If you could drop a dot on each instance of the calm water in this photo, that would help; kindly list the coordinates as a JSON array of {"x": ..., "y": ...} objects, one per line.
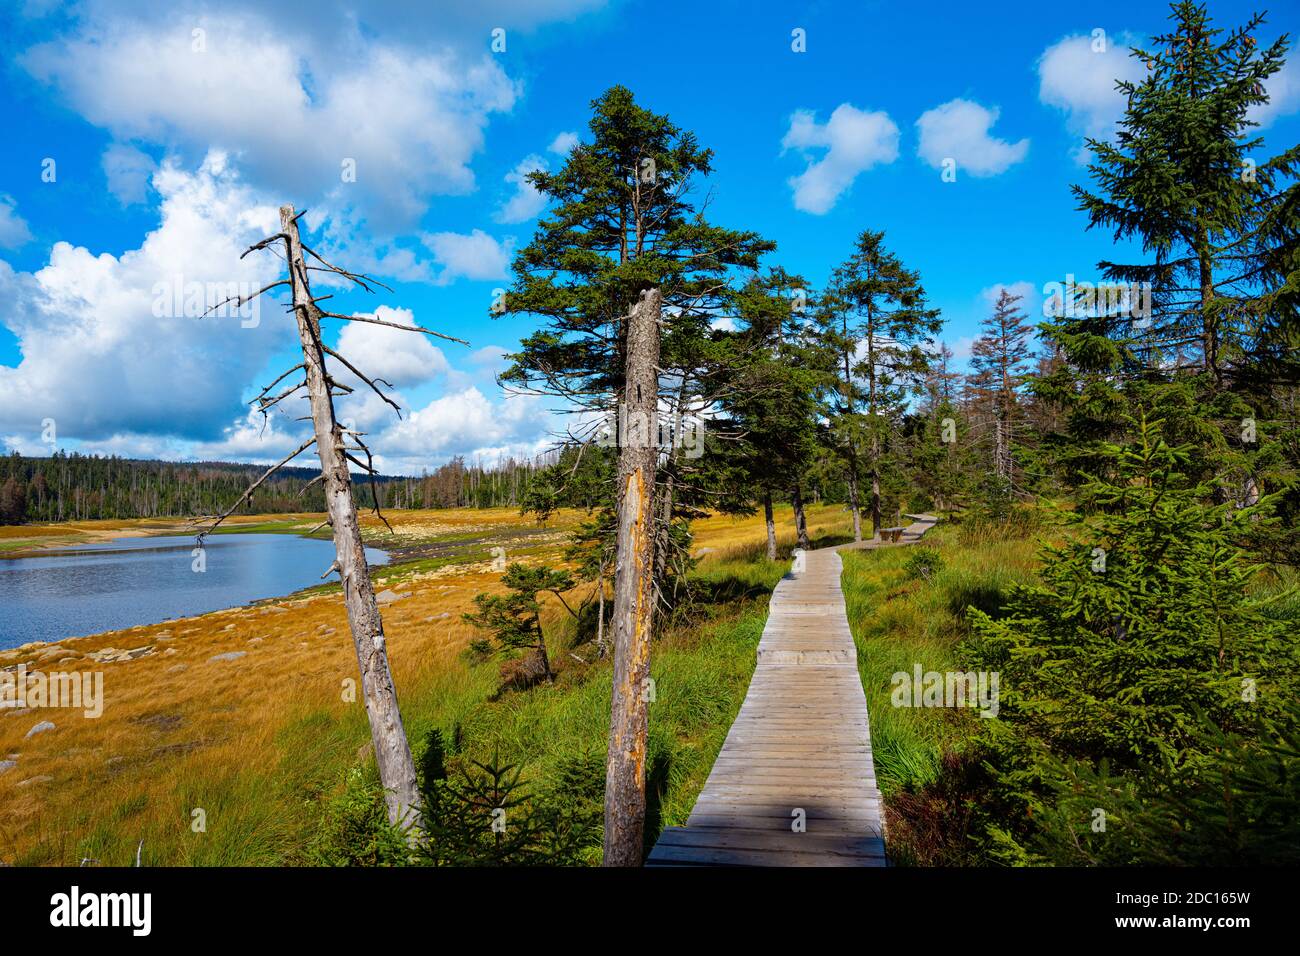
[{"x": 103, "y": 587}]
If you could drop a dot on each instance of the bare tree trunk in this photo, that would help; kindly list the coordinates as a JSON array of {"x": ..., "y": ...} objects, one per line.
[
  {"x": 1209, "y": 325},
  {"x": 771, "y": 524},
  {"x": 601, "y": 648},
  {"x": 800, "y": 524},
  {"x": 392, "y": 753},
  {"x": 875, "y": 489},
  {"x": 853, "y": 496},
  {"x": 625, "y": 777},
  {"x": 853, "y": 452}
]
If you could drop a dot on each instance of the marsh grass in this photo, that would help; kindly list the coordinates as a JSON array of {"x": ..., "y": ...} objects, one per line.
[
  {"x": 899, "y": 621},
  {"x": 264, "y": 744}
]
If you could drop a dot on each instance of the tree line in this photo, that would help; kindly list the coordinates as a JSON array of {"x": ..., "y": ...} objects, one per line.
[{"x": 69, "y": 486}]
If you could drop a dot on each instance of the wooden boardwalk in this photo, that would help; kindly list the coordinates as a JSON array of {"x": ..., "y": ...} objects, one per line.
[{"x": 794, "y": 784}]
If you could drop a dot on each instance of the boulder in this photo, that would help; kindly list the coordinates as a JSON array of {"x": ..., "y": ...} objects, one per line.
[{"x": 40, "y": 728}]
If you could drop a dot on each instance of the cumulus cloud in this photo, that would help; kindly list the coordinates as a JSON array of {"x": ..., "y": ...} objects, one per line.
[
  {"x": 959, "y": 130},
  {"x": 853, "y": 140},
  {"x": 465, "y": 423},
  {"x": 128, "y": 171},
  {"x": 474, "y": 256},
  {"x": 112, "y": 345},
  {"x": 1028, "y": 292},
  {"x": 400, "y": 358},
  {"x": 1283, "y": 89},
  {"x": 1080, "y": 80},
  {"x": 527, "y": 201},
  {"x": 14, "y": 231},
  {"x": 301, "y": 118},
  {"x": 563, "y": 143}
]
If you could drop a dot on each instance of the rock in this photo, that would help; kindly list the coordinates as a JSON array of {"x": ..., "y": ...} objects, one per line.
[
  {"x": 256, "y": 640},
  {"x": 43, "y": 778},
  {"x": 40, "y": 728},
  {"x": 7, "y": 765},
  {"x": 170, "y": 650},
  {"x": 139, "y": 652},
  {"x": 389, "y": 596},
  {"x": 51, "y": 651},
  {"x": 65, "y": 660},
  {"x": 229, "y": 627},
  {"x": 19, "y": 712},
  {"x": 228, "y": 656},
  {"x": 177, "y": 668},
  {"x": 445, "y": 614}
]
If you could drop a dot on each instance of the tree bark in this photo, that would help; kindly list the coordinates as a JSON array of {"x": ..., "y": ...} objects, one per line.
[
  {"x": 392, "y": 752},
  {"x": 1210, "y": 332},
  {"x": 771, "y": 524},
  {"x": 800, "y": 523},
  {"x": 625, "y": 768},
  {"x": 853, "y": 452}
]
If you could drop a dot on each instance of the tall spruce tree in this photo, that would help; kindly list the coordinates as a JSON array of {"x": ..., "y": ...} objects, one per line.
[
  {"x": 1183, "y": 178},
  {"x": 875, "y": 317},
  {"x": 1000, "y": 359},
  {"x": 625, "y": 273}
]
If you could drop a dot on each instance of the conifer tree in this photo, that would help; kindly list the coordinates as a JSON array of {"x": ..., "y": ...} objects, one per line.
[
  {"x": 1183, "y": 179},
  {"x": 625, "y": 275},
  {"x": 999, "y": 357},
  {"x": 875, "y": 318}
]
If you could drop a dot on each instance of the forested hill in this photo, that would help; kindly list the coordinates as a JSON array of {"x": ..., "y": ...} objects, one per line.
[{"x": 69, "y": 487}]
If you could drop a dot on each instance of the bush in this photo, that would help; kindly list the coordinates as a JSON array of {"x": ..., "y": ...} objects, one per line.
[
  {"x": 1135, "y": 675},
  {"x": 354, "y": 829},
  {"x": 923, "y": 563}
]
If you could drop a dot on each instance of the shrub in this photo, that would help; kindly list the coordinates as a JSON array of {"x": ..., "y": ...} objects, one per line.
[
  {"x": 923, "y": 563},
  {"x": 1123, "y": 673}
]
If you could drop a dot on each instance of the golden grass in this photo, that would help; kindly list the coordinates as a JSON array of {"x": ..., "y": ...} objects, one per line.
[{"x": 181, "y": 731}]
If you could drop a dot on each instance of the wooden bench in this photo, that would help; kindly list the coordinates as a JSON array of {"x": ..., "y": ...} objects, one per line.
[{"x": 891, "y": 534}]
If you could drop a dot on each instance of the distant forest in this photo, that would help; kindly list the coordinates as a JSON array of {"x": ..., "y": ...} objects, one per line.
[{"x": 69, "y": 486}]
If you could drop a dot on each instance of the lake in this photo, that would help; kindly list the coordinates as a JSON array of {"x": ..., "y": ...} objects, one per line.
[{"x": 104, "y": 587}]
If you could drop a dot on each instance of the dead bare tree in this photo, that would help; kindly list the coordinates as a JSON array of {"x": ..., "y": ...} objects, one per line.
[
  {"x": 634, "y": 583},
  {"x": 336, "y": 446}
]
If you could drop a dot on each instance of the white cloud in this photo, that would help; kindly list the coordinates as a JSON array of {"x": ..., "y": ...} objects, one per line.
[
  {"x": 527, "y": 200},
  {"x": 959, "y": 130},
  {"x": 475, "y": 256},
  {"x": 1027, "y": 291},
  {"x": 854, "y": 141},
  {"x": 563, "y": 143},
  {"x": 1079, "y": 80},
  {"x": 14, "y": 231},
  {"x": 103, "y": 350},
  {"x": 128, "y": 171},
  {"x": 465, "y": 423},
  {"x": 1283, "y": 89},
  {"x": 400, "y": 358},
  {"x": 293, "y": 109}
]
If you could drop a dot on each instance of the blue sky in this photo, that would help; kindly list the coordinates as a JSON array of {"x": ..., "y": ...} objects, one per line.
[{"x": 175, "y": 129}]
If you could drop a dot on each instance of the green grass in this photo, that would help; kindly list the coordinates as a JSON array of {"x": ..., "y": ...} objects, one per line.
[
  {"x": 700, "y": 664},
  {"x": 899, "y": 622}
]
